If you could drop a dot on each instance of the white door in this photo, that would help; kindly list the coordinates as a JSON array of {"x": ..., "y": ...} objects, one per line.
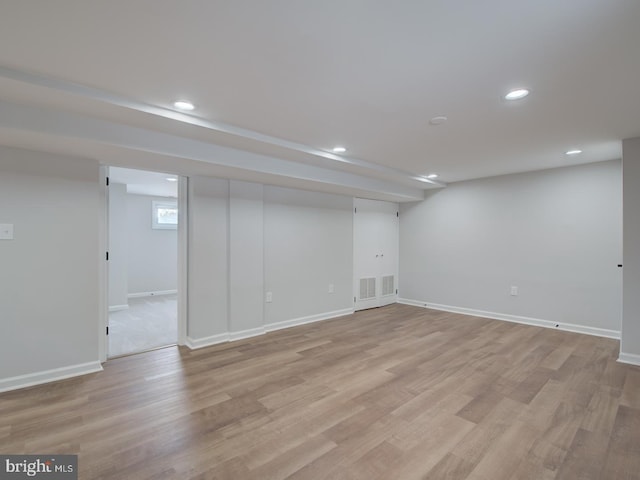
[{"x": 375, "y": 253}]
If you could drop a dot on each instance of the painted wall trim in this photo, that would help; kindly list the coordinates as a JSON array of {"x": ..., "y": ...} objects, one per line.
[
  {"x": 195, "y": 343},
  {"x": 46, "y": 376},
  {"x": 568, "y": 327},
  {"x": 117, "y": 308},
  {"x": 630, "y": 358},
  {"x": 270, "y": 327},
  {"x": 152, "y": 294},
  {"x": 251, "y": 332}
]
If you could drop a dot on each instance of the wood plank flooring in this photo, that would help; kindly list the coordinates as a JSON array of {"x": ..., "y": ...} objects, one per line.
[{"x": 393, "y": 393}]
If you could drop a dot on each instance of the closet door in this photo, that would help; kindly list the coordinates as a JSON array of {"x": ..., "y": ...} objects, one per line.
[{"x": 375, "y": 253}]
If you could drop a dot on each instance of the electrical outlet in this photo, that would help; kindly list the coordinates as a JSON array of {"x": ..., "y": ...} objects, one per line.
[
  {"x": 331, "y": 290},
  {"x": 6, "y": 231},
  {"x": 514, "y": 291},
  {"x": 269, "y": 297}
]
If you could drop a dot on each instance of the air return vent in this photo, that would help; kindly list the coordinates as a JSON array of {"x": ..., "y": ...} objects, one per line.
[
  {"x": 388, "y": 285},
  {"x": 367, "y": 288}
]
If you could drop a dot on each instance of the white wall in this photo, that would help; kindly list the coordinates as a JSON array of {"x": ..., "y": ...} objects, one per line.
[
  {"x": 630, "y": 344},
  {"x": 247, "y": 239},
  {"x": 308, "y": 245},
  {"x": 208, "y": 259},
  {"x": 152, "y": 253},
  {"x": 555, "y": 234},
  {"x": 246, "y": 258},
  {"x": 49, "y": 280},
  {"x": 118, "y": 246}
]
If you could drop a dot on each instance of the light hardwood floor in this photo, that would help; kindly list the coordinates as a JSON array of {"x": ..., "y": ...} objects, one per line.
[{"x": 393, "y": 393}]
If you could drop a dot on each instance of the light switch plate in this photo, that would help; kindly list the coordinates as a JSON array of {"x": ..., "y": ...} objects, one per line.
[{"x": 6, "y": 231}]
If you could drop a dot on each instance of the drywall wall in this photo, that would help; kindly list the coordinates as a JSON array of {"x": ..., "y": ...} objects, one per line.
[
  {"x": 630, "y": 344},
  {"x": 49, "y": 285},
  {"x": 152, "y": 257},
  {"x": 208, "y": 273},
  {"x": 308, "y": 246},
  {"x": 246, "y": 258},
  {"x": 118, "y": 247},
  {"x": 246, "y": 239},
  {"x": 554, "y": 234}
]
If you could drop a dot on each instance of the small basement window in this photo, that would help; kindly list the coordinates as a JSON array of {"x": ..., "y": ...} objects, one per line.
[{"x": 164, "y": 215}]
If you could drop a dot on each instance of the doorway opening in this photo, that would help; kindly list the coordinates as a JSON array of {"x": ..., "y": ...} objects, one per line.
[{"x": 143, "y": 261}]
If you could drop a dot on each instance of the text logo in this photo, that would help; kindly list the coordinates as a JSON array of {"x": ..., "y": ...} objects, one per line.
[{"x": 49, "y": 467}]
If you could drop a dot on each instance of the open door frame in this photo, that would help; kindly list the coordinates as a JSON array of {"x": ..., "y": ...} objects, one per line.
[
  {"x": 183, "y": 257},
  {"x": 103, "y": 266}
]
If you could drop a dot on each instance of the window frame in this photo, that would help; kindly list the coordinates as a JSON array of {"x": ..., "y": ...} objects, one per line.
[{"x": 157, "y": 205}]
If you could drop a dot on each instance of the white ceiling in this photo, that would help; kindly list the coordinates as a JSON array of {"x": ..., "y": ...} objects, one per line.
[
  {"x": 142, "y": 182},
  {"x": 288, "y": 80}
]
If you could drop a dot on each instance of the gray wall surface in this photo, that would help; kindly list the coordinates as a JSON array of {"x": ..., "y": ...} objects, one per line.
[
  {"x": 308, "y": 244},
  {"x": 247, "y": 239},
  {"x": 118, "y": 246},
  {"x": 555, "y": 234},
  {"x": 208, "y": 263},
  {"x": 49, "y": 280},
  {"x": 152, "y": 254},
  {"x": 246, "y": 256}
]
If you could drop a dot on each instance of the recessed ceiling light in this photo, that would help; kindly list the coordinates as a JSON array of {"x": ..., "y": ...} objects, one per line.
[
  {"x": 517, "y": 94},
  {"x": 432, "y": 176},
  {"x": 439, "y": 120},
  {"x": 171, "y": 179},
  {"x": 184, "y": 105},
  {"x": 573, "y": 152},
  {"x": 339, "y": 149}
]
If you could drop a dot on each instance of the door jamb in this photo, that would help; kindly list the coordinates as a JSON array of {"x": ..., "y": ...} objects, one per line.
[
  {"x": 183, "y": 257},
  {"x": 103, "y": 267}
]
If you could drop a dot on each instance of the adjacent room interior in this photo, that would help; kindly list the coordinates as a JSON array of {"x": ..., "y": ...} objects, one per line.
[
  {"x": 313, "y": 240},
  {"x": 143, "y": 261}
]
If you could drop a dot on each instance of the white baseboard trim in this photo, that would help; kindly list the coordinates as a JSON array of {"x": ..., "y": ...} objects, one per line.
[
  {"x": 46, "y": 376},
  {"x": 630, "y": 358},
  {"x": 568, "y": 327},
  {"x": 195, "y": 343},
  {"x": 117, "y": 308},
  {"x": 252, "y": 332},
  {"x": 152, "y": 294},
  {"x": 270, "y": 327}
]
